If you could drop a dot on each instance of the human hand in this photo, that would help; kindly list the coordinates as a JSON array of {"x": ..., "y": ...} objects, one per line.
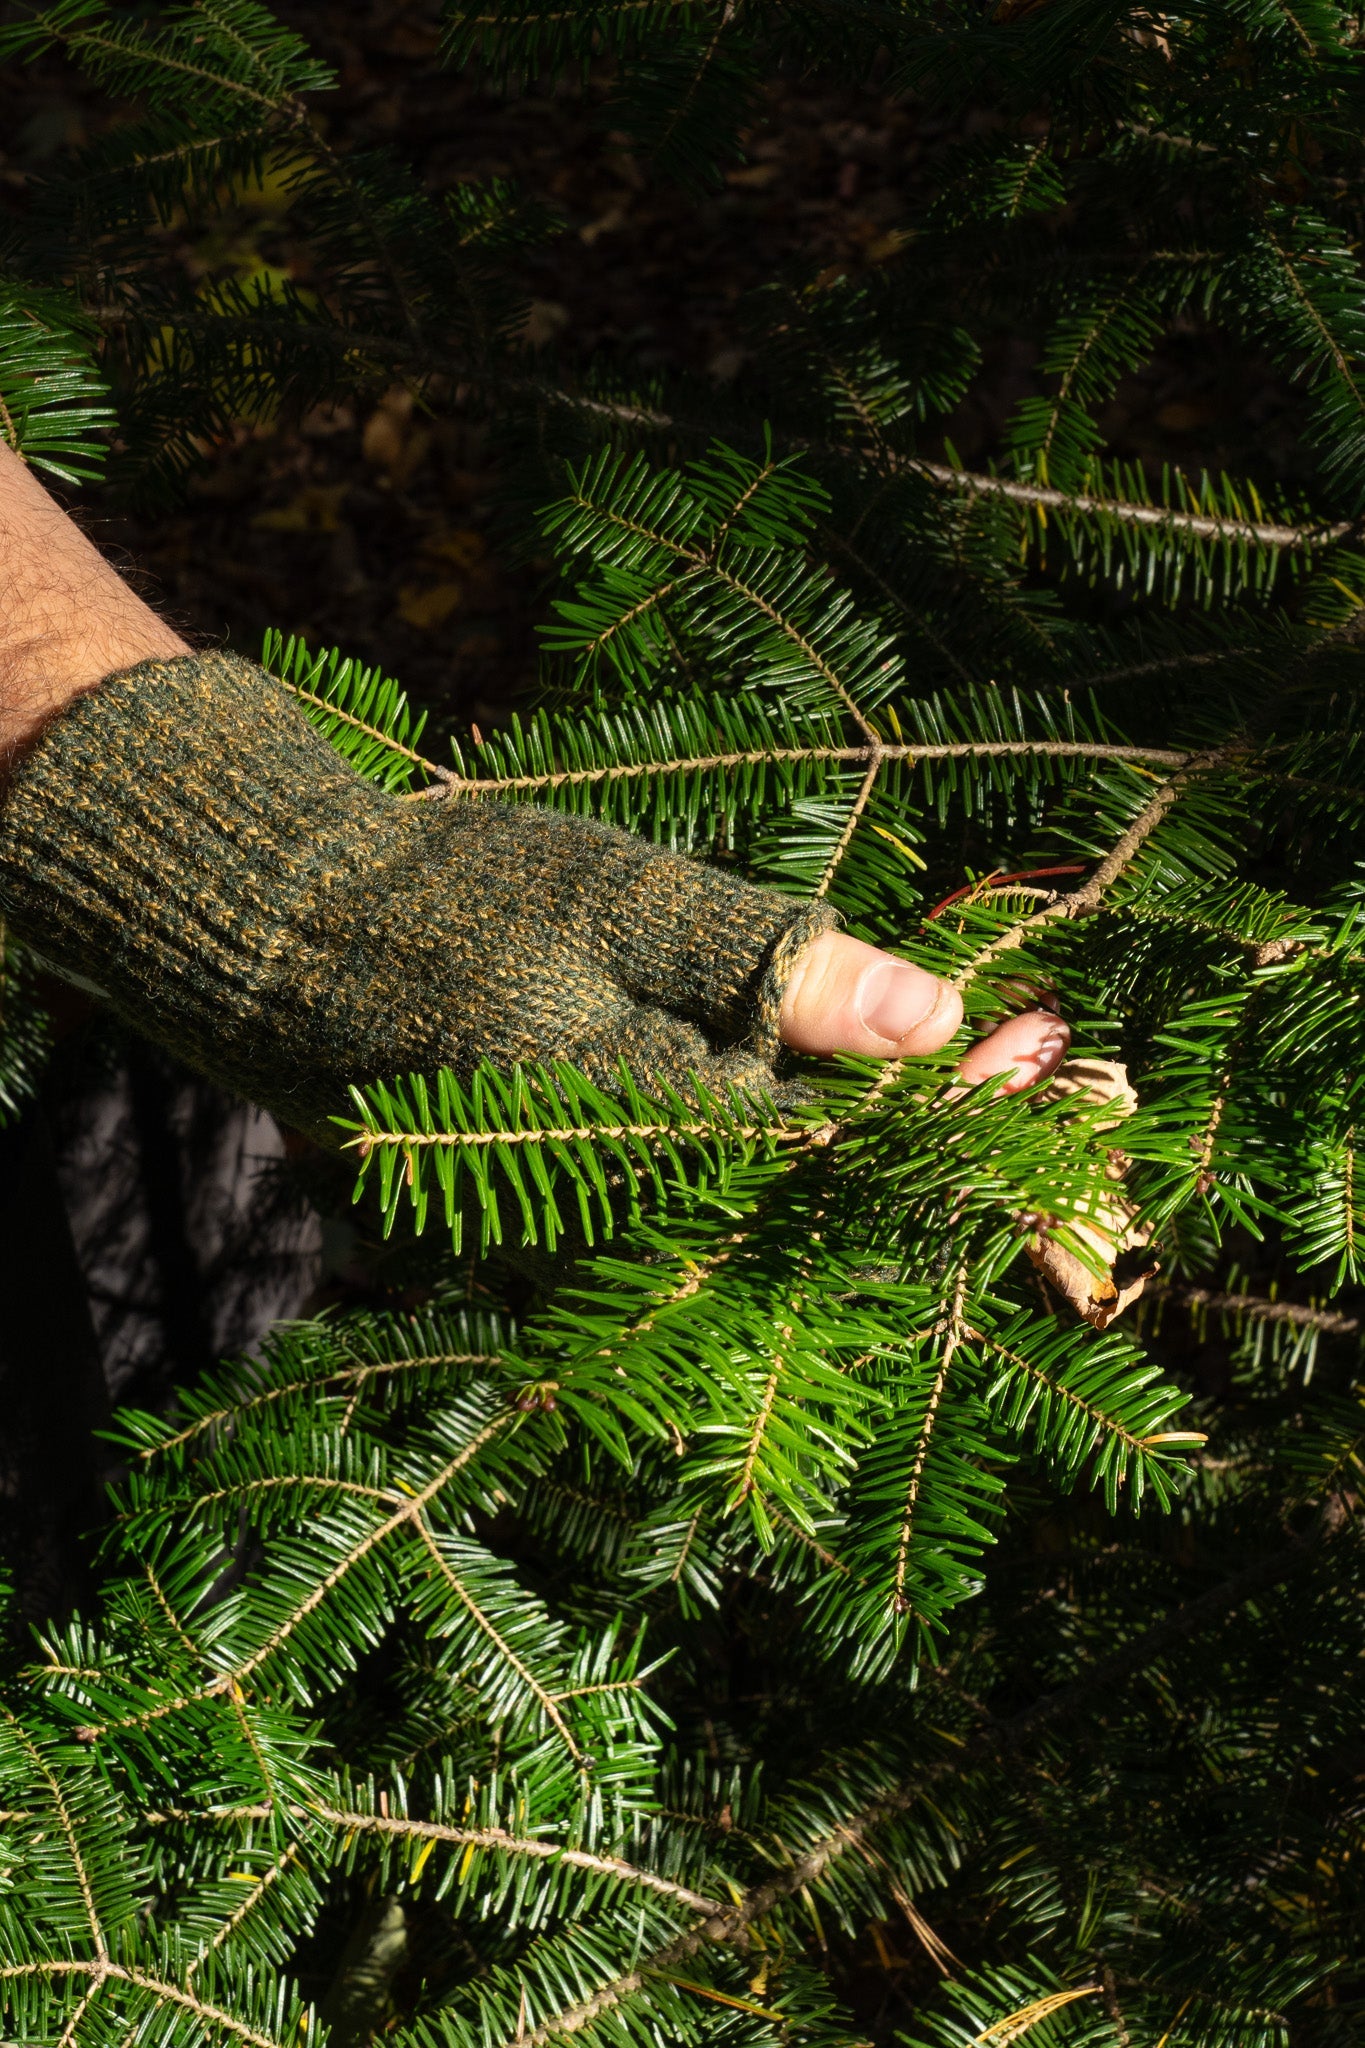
[
  {"x": 844, "y": 996},
  {"x": 70, "y": 620}
]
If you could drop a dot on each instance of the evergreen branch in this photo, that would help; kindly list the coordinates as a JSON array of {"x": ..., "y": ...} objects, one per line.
[
  {"x": 744, "y": 1485},
  {"x": 163, "y": 1601},
  {"x": 1277, "y": 535},
  {"x": 694, "y": 1278},
  {"x": 609, "y": 1996},
  {"x": 69, "y": 1832},
  {"x": 845, "y": 839},
  {"x": 762, "y": 476},
  {"x": 1099, "y": 1418},
  {"x": 647, "y": 604},
  {"x": 497, "y": 1839},
  {"x": 1198, "y": 526},
  {"x": 355, "y": 1376},
  {"x": 1081, "y": 902},
  {"x": 1190, "y": 1619},
  {"x": 833, "y": 1323},
  {"x": 999, "y": 1739},
  {"x": 225, "y": 1815},
  {"x": 873, "y": 754},
  {"x": 1007, "y": 1738},
  {"x": 548, "y": 1704},
  {"x": 801, "y": 642},
  {"x": 321, "y": 1482},
  {"x": 707, "y": 561},
  {"x": 287, "y": 1857},
  {"x": 538, "y": 16},
  {"x": 533, "y": 1131},
  {"x": 409, "y": 1513},
  {"x": 685, "y": 1547},
  {"x": 420, "y": 360},
  {"x": 268, "y": 1776},
  {"x": 372, "y": 732},
  {"x": 103, "y": 1970},
  {"x": 359, "y": 710},
  {"x": 1328, "y": 341},
  {"x": 370, "y": 218},
  {"x": 826, "y": 1557},
  {"x": 116, "y": 48},
  {"x": 952, "y": 1329},
  {"x": 683, "y": 104},
  {"x": 71, "y": 2030},
  {"x": 52, "y": 409},
  {"x": 369, "y": 1141},
  {"x": 588, "y": 1692},
  {"x": 1300, "y": 1316}
]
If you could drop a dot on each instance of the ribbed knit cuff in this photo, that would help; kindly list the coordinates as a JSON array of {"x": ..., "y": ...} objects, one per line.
[{"x": 183, "y": 838}]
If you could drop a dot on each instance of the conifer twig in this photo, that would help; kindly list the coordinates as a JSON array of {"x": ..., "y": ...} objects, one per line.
[
  {"x": 1080, "y": 902},
  {"x": 1198, "y": 525},
  {"x": 1299, "y": 1315},
  {"x": 870, "y": 753}
]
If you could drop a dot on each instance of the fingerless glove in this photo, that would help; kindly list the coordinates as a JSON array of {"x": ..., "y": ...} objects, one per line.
[{"x": 182, "y": 838}]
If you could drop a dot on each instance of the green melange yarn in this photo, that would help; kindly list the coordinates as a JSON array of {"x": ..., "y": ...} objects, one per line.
[{"x": 183, "y": 838}]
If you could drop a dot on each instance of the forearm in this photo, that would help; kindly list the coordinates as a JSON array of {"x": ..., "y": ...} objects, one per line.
[{"x": 67, "y": 619}]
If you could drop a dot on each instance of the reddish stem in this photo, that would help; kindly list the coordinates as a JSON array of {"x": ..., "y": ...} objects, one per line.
[{"x": 993, "y": 879}]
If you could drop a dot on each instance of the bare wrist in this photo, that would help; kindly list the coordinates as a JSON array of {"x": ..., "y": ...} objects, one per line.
[{"x": 67, "y": 619}]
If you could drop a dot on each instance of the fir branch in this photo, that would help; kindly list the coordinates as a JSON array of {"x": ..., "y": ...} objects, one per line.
[
  {"x": 1256, "y": 1308},
  {"x": 279, "y": 1590},
  {"x": 254, "y": 1897},
  {"x": 870, "y": 756},
  {"x": 370, "y": 1141},
  {"x": 546, "y": 1700},
  {"x": 851, "y": 823},
  {"x": 497, "y": 1840},
  {"x": 352, "y": 1378},
  {"x": 1003, "y": 1739},
  {"x": 69, "y": 1832},
  {"x": 103, "y": 1970},
  {"x": 1194, "y": 525},
  {"x": 1081, "y": 902},
  {"x": 998, "y": 1741},
  {"x": 1098, "y": 1419},
  {"x": 371, "y": 732},
  {"x": 1278, "y": 536},
  {"x": 409, "y": 1513}
]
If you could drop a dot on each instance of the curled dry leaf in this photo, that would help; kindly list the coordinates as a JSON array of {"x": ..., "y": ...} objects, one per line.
[
  {"x": 1097, "y": 1082},
  {"x": 1113, "y": 1230}
]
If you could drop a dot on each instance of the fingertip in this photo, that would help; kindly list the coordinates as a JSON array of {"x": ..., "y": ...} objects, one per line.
[{"x": 1026, "y": 1049}]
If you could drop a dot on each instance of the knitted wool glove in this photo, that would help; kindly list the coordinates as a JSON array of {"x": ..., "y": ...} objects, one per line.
[{"x": 184, "y": 839}]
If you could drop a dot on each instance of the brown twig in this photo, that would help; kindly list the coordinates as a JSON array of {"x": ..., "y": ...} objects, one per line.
[{"x": 1299, "y": 1315}]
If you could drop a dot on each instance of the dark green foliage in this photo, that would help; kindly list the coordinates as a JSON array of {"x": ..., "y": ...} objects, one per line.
[
  {"x": 51, "y": 395},
  {"x": 23, "y": 1030},
  {"x": 798, "y": 1586}
]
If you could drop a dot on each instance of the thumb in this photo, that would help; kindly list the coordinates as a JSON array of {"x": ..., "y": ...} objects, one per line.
[{"x": 844, "y": 996}]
